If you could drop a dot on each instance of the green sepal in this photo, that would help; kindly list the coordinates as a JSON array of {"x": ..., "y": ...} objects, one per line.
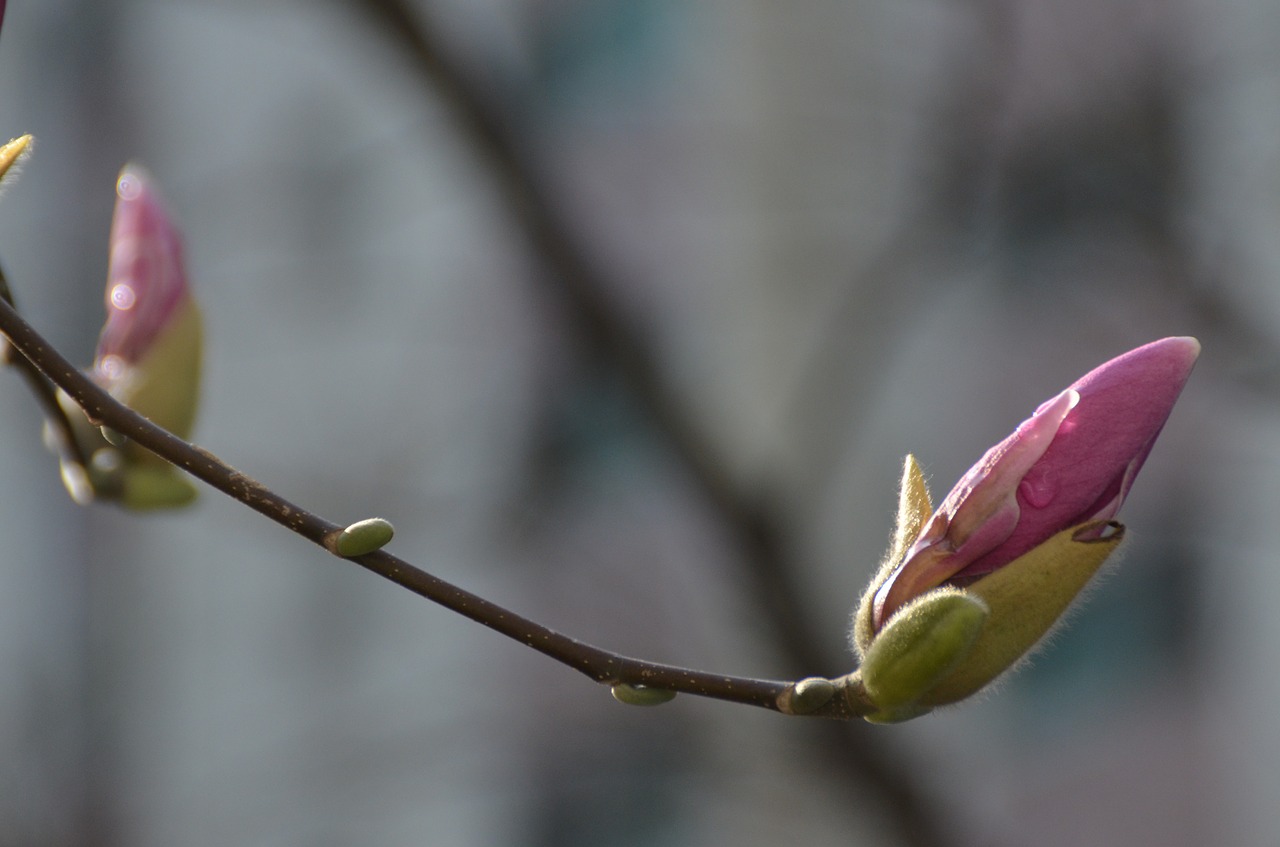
[
  {"x": 914, "y": 508},
  {"x": 899, "y": 715},
  {"x": 12, "y": 152},
  {"x": 164, "y": 386},
  {"x": 1026, "y": 598},
  {"x": 920, "y": 645}
]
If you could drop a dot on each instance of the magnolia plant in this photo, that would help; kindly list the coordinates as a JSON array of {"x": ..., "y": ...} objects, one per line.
[
  {"x": 968, "y": 589},
  {"x": 148, "y": 356},
  {"x": 965, "y": 591}
]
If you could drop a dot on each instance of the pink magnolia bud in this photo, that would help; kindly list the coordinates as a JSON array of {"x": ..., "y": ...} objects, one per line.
[
  {"x": 1071, "y": 463},
  {"x": 968, "y": 590},
  {"x": 146, "y": 279},
  {"x": 148, "y": 354},
  {"x": 149, "y": 351}
]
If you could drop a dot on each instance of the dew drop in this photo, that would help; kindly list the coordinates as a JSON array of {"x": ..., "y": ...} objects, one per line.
[
  {"x": 123, "y": 296},
  {"x": 128, "y": 186},
  {"x": 111, "y": 367},
  {"x": 1060, "y": 403},
  {"x": 1038, "y": 489}
]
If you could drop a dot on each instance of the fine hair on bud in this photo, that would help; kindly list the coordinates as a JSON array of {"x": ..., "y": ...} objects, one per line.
[{"x": 1068, "y": 616}]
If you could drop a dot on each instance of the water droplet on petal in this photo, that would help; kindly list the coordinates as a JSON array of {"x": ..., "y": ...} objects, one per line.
[
  {"x": 1038, "y": 488},
  {"x": 1060, "y": 404},
  {"x": 111, "y": 367},
  {"x": 123, "y": 296},
  {"x": 128, "y": 186}
]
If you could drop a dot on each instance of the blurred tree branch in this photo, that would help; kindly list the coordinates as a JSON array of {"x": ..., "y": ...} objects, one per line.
[
  {"x": 934, "y": 235},
  {"x": 609, "y": 334}
]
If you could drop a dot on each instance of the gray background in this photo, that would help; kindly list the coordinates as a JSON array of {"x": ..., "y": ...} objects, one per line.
[{"x": 849, "y": 231}]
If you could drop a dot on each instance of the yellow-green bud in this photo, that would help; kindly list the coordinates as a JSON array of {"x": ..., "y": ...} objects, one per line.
[
  {"x": 364, "y": 537},
  {"x": 920, "y": 646},
  {"x": 641, "y": 695}
]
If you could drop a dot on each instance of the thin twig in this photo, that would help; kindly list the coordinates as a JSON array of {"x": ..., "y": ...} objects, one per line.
[
  {"x": 68, "y": 445},
  {"x": 600, "y": 665}
]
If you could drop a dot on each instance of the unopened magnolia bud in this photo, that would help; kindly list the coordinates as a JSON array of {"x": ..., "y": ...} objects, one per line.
[
  {"x": 148, "y": 355},
  {"x": 641, "y": 695},
  {"x": 1021, "y": 534},
  {"x": 920, "y": 646},
  {"x": 364, "y": 537}
]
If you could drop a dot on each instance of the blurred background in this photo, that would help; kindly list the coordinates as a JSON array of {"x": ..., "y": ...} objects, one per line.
[{"x": 625, "y": 313}]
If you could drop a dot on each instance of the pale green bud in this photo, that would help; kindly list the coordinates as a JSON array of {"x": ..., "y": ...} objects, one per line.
[
  {"x": 920, "y": 646},
  {"x": 641, "y": 695},
  {"x": 809, "y": 695},
  {"x": 363, "y": 537}
]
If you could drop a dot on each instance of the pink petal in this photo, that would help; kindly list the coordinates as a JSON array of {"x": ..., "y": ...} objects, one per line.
[
  {"x": 146, "y": 279},
  {"x": 1073, "y": 461}
]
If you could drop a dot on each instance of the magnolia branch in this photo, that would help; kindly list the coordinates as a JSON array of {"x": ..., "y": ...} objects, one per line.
[{"x": 639, "y": 680}]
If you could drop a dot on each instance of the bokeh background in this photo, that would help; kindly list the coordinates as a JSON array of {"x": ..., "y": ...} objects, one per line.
[{"x": 656, "y": 396}]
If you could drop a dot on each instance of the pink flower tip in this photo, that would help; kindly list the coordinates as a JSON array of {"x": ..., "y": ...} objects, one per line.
[
  {"x": 146, "y": 275},
  {"x": 1071, "y": 463}
]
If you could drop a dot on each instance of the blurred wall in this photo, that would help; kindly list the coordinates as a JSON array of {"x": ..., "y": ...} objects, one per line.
[{"x": 847, "y": 231}]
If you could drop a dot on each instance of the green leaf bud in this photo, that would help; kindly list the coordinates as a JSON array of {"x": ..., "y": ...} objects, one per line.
[
  {"x": 641, "y": 695},
  {"x": 363, "y": 537}
]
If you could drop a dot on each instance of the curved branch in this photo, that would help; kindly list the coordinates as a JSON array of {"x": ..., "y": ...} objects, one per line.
[{"x": 601, "y": 665}]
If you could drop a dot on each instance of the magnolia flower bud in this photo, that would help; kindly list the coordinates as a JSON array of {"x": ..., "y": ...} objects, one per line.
[
  {"x": 148, "y": 354},
  {"x": 1021, "y": 534},
  {"x": 149, "y": 351}
]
